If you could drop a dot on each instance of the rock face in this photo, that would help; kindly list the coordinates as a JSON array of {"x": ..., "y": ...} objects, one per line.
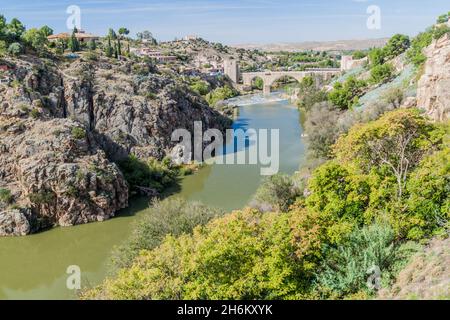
[
  {"x": 63, "y": 126},
  {"x": 56, "y": 169},
  {"x": 433, "y": 93}
]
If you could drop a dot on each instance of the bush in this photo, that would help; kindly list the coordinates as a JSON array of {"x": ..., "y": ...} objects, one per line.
[
  {"x": 15, "y": 49},
  {"x": 149, "y": 173},
  {"x": 174, "y": 217},
  {"x": 346, "y": 95},
  {"x": 6, "y": 197},
  {"x": 201, "y": 87},
  {"x": 322, "y": 129},
  {"x": 381, "y": 73},
  {"x": 220, "y": 94},
  {"x": 429, "y": 197},
  {"x": 276, "y": 193},
  {"x": 369, "y": 259},
  {"x": 394, "y": 97},
  {"x": 310, "y": 94},
  {"x": 78, "y": 133}
]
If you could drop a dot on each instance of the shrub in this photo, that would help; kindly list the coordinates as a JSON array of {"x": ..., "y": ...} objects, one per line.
[
  {"x": 220, "y": 94},
  {"x": 78, "y": 133},
  {"x": 310, "y": 94},
  {"x": 201, "y": 87},
  {"x": 346, "y": 95},
  {"x": 6, "y": 196},
  {"x": 429, "y": 197},
  {"x": 35, "y": 113},
  {"x": 381, "y": 73},
  {"x": 394, "y": 97},
  {"x": 15, "y": 49},
  {"x": 174, "y": 216},
  {"x": 369, "y": 259},
  {"x": 322, "y": 129},
  {"x": 149, "y": 173},
  {"x": 338, "y": 194},
  {"x": 276, "y": 193}
]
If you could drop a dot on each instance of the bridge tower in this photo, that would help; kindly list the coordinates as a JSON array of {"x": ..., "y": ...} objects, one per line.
[{"x": 231, "y": 69}]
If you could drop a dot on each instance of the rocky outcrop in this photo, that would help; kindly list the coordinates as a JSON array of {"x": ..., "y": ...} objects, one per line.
[
  {"x": 63, "y": 126},
  {"x": 56, "y": 169},
  {"x": 132, "y": 112},
  {"x": 433, "y": 92}
]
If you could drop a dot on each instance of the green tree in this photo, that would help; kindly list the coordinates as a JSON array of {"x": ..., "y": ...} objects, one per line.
[
  {"x": 47, "y": 31},
  {"x": 35, "y": 38},
  {"x": 376, "y": 56},
  {"x": 429, "y": 196},
  {"x": 92, "y": 45},
  {"x": 74, "y": 44},
  {"x": 396, "y": 46},
  {"x": 15, "y": 49},
  {"x": 124, "y": 31},
  {"x": 397, "y": 142},
  {"x": 109, "y": 51},
  {"x": 381, "y": 73},
  {"x": 346, "y": 95},
  {"x": 15, "y": 29}
]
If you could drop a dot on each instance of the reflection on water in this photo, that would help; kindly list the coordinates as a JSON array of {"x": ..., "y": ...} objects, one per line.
[{"x": 34, "y": 267}]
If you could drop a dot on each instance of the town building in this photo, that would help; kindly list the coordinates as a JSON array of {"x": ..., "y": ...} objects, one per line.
[
  {"x": 153, "y": 54},
  {"x": 81, "y": 36}
]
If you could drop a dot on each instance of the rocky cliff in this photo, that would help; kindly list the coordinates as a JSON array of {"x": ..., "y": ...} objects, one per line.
[
  {"x": 62, "y": 126},
  {"x": 433, "y": 93}
]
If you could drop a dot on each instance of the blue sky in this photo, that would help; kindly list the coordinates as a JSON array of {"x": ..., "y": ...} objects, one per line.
[{"x": 235, "y": 21}]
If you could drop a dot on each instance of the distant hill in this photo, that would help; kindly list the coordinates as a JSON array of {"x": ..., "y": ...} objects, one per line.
[{"x": 340, "y": 45}]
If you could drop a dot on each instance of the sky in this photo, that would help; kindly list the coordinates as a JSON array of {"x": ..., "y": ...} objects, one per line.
[{"x": 235, "y": 21}]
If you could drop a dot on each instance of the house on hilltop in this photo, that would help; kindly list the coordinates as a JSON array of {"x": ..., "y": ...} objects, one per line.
[{"x": 81, "y": 36}]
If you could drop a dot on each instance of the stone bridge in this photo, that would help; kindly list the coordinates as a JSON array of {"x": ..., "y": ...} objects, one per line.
[{"x": 270, "y": 77}]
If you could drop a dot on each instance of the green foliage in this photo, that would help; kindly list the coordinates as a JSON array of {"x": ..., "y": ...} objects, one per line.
[
  {"x": 357, "y": 55},
  {"x": 149, "y": 174},
  {"x": 42, "y": 198},
  {"x": 124, "y": 31},
  {"x": 376, "y": 57},
  {"x": 46, "y": 31},
  {"x": 398, "y": 44},
  {"x": 258, "y": 83},
  {"x": 5, "y": 196},
  {"x": 352, "y": 267},
  {"x": 78, "y": 133},
  {"x": 397, "y": 141},
  {"x": 174, "y": 216},
  {"x": 109, "y": 51},
  {"x": 15, "y": 49},
  {"x": 322, "y": 130},
  {"x": 443, "y": 18},
  {"x": 394, "y": 96},
  {"x": 201, "y": 87},
  {"x": 310, "y": 94},
  {"x": 415, "y": 54},
  {"x": 35, "y": 38},
  {"x": 220, "y": 94},
  {"x": 15, "y": 30},
  {"x": 73, "y": 44},
  {"x": 346, "y": 95},
  {"x": 381, "y": 73},
  {"x": 429, "y": 196},
  {"x": 35, "y": 114},
  {"x": 338, "y": 194},
  {"x": 440, "y": 31},
  {"x": 92, "y": 45},
  {"x": 276, "y": 193}
]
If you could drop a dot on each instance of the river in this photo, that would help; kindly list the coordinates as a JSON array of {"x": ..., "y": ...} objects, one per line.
[{"x": 34, "y": 267}]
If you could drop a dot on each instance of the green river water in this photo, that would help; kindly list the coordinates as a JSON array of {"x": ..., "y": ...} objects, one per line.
[{"x": 34, "y": 267}]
